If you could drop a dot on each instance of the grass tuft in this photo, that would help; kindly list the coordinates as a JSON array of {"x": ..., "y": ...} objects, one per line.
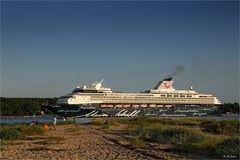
[
  {"x": 136, "y": 142},
  {"x": 226, "y": 127},
  {"x": 228, "y": 148},
  {"x": 21, "y": 132}
]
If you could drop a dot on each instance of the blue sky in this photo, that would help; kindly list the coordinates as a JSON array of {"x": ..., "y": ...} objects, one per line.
[{"x": 48, "y": 48}]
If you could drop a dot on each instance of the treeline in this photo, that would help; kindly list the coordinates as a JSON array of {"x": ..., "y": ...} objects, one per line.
[
  {"x": 231, "y": 108},
  {"x": 33, "y": 106},
  {"x": 24, "y": 106}
]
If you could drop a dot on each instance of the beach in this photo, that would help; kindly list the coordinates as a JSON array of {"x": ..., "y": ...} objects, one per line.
[
  {"x": 122, "y": 138},
  {"x": 88, "y": 142}
]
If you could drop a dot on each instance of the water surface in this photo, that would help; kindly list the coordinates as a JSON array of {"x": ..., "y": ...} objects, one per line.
[{"x": 88, "y": 120}]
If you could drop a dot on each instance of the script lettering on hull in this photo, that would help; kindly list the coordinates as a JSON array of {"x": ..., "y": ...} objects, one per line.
[
  {"x": 96, "y": 114},
  {"x": 122, "y": 113},
  {"x": 126, "y": 113}
]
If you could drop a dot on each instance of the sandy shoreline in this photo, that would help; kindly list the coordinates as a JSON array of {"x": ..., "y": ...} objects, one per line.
[
  {"x": 85, "y": 143},
  {"x": 113, "y": 140}
]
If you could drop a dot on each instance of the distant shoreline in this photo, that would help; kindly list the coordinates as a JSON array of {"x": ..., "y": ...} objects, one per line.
[
  {"x": 39, "y": 116},
  {"x": 230, "y": 115}
]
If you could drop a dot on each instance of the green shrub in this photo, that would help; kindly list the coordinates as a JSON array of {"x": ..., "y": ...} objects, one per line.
[
  {"x": 188, "y": 121},
  {"x": 154, "y": 120},
  {"x": 97, "y": 122},
  {"x": 106, "y": 124},
  {"x": 141, "y": 132},
  {"x": 208, "y": 144},
  {"x": 170, "y": 135},
  {"x": 9, "y": 133},
  {"x": 212, "y": 126},
  {"x": 227, "y": 127},
  {"x": 230, "y": 127},
  {"x": 186, "y": 136},
  {"x": 176, "y": 136},
  {"x": 105, "y": 121},
  {"x": 228, "y": 148},
  {"x": 150, "y": 122},
  {"x": 13, "y": 132},
  {"x": 32, "y": 130},
  {"x": 159, "y": 121},
  {"x": 156, "y": 135},
  {"x": 136, "y": 142}
]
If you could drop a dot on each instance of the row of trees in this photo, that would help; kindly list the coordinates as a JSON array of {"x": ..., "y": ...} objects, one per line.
[
  {"x": 232, "y": 108},
  {"x": 33, "y": 106},
  {"x": 24, "y": 106}
]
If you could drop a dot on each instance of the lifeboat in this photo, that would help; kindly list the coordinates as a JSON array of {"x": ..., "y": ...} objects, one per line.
[
  {"x": 159, "y": 105},
  {"x": 103, "y": 105},
  {"x": 126, "y": 105},
  {"x": 143, "y": 105},
  {"x": 135, "y": 105},
  {"x": 152, "y": 105}
]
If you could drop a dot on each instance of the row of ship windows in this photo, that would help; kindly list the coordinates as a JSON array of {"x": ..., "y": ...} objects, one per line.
[
  {"x": 176, "y": 96},
  {"x": 163, "y": 99},
  {"x": 154, "y": 97},
  {"x": 147, "y": 95},
  {"x": 186, "y": 102},
  {"x": 140, "y": 96},
  {"x": 144, "y": 96},
  {"x": 129, "y": 97},
  {"x": 118, "y": 95},
  {"x": 176, "y": 100},
  {"x": 132, "y": 98}
]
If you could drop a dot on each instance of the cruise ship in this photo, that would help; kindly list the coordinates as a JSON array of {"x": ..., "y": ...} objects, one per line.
[{"x": 162, "y": 100}]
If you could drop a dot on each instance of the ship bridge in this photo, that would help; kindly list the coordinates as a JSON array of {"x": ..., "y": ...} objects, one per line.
[{"x": 96, "y": 87}]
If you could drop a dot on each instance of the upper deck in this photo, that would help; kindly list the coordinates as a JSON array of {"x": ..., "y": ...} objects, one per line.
[{"x": 163, "y": 92}]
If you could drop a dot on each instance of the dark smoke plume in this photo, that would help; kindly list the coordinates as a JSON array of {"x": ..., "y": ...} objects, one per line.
[{"x": 178, "y": 69}]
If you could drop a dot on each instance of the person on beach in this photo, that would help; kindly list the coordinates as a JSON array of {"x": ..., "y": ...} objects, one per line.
[
  {"x": 45, "y": 126},
  {"x": 74, "y": 120},
  {"x": 33, "y": 123},
  {"x": 54, "y": 122}
]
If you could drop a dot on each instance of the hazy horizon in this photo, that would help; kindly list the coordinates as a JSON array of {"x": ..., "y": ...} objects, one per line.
[{"x": 48, "y": 48}]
